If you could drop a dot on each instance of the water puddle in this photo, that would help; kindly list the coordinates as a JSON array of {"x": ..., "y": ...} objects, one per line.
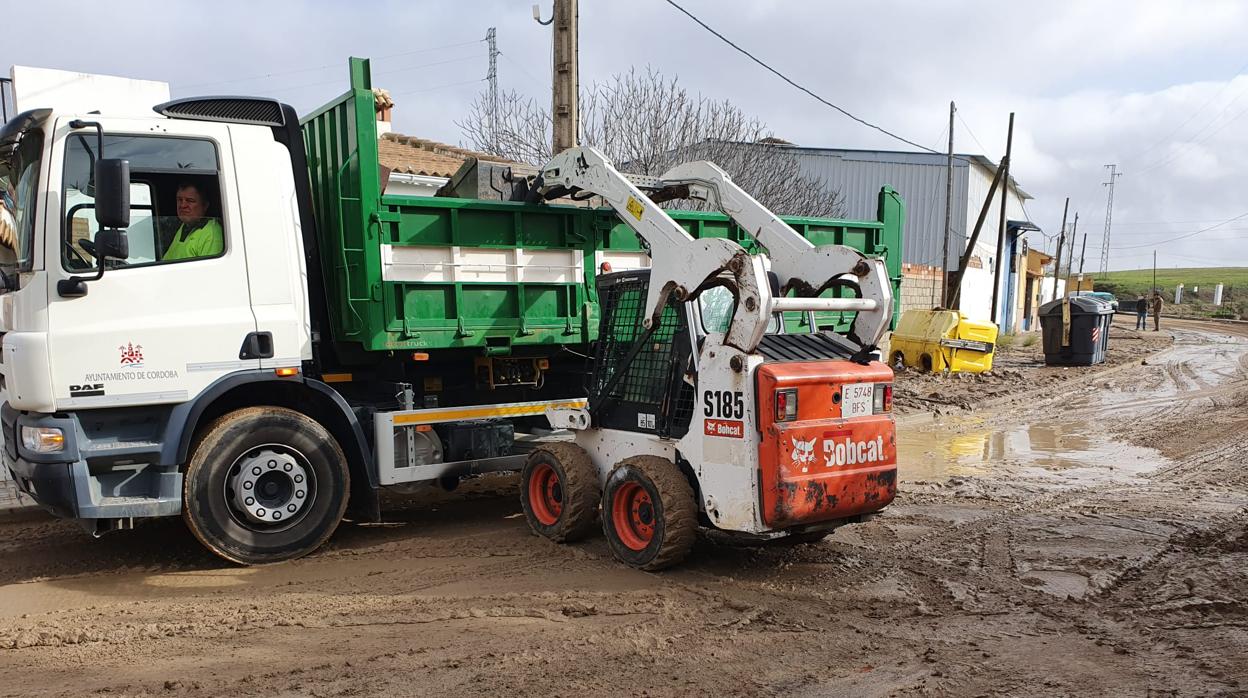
[{"x": 1043, "y": 449}]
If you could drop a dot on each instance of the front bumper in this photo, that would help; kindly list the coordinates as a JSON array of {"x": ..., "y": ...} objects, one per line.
[{"x": 92, "y": 478}]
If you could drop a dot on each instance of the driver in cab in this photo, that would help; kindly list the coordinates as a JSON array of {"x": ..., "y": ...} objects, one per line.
[{"x": 198, "y": 235}]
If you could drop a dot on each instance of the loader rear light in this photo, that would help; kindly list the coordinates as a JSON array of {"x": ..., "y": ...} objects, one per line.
[
  {"x": 786, "y": 405},
  {"x": 883, "y": 401}
]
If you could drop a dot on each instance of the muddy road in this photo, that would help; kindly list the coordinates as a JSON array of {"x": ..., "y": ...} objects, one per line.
[{"x": 1091, "y": 541}]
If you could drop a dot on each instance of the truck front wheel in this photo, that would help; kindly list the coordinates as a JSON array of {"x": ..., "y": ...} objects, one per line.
[{"x": 265, "y": 484}]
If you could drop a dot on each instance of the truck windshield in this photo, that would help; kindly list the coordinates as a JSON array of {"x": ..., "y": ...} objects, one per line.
[{"x": 19, "y": 179}]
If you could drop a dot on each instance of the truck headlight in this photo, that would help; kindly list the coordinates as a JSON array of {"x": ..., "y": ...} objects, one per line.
[{"x": 43, "y": 439}]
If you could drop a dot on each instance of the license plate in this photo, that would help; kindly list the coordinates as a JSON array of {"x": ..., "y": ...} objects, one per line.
[{"x": 857, "y": 400}]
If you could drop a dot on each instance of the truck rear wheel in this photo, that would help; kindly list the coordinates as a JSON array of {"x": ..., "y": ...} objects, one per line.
[
  {"x": 265, "y": 484},
  {"x": 649, "y": 513},
  {"x": 559, "y": 492}
]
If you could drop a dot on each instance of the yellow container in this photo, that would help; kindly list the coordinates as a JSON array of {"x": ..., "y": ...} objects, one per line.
[{"x": 942, "y": 340}]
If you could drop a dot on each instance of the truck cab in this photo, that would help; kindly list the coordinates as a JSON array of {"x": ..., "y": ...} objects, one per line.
[{"x": 149, "y": 334}]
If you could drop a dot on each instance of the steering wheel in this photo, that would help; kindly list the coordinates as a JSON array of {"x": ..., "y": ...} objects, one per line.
[{"x": 87, "y": 245}]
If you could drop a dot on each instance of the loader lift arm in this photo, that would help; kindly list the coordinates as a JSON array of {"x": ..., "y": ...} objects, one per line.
[
  {"x": 801, "y": 267},
  {"x": 681, "y": 265}
]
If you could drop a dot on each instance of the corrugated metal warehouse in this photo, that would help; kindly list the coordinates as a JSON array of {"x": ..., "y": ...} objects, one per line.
[{"x": 920, "y": 179}]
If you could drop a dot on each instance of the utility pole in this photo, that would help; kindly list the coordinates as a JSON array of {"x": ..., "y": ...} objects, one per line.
[
  {"x": 1005, "y": 197},
  {"x": 1061, "y": 243},
  {"x": 944, "y": 259},
  {"x": 566, "y": 87},
  {"x": 1082, "y": 254},
  {"x": 1154, "y": 271},
  {"x": 1074, "y": 234},
  {"x": 1109, "y": 216},
  {"x": 491, "y": 39}
]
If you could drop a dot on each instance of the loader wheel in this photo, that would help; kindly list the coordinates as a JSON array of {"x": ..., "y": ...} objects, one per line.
[
  {"x": 649, "y": 513},
  {"x": 559, "y": 492},
  {"x": 265, "y": 484}
]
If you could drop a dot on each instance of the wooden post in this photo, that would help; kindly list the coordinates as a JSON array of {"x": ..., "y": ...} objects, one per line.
[
  {"x": 565, "y": 82},
  {"x": 944, "y": 258},
  {"x": 970, "y": 246},
  {"x": 1005, "y": 197},
  {"x": 1061, "y": 242}
]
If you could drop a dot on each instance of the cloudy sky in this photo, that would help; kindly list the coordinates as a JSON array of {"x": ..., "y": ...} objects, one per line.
[{"x": 1158, "y": 87}]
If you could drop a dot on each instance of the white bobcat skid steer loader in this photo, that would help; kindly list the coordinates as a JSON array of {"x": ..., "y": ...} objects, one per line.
[{"x": 702, "y": 411}]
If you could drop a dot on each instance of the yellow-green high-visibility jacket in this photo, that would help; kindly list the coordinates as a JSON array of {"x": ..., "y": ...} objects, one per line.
[{"x": 206, "y": 241}]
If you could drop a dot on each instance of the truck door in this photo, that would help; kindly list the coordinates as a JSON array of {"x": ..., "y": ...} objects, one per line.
[{"x": 166, "y": 322}]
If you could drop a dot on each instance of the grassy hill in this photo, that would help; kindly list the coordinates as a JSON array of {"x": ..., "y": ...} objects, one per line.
[{"x": 1126, "y": 284}]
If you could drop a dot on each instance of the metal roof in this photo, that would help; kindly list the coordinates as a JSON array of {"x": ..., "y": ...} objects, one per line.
[{"x": 911, "y": 158}]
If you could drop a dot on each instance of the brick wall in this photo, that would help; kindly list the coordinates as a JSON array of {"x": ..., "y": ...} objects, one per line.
[{"x": 920, "y": 286}]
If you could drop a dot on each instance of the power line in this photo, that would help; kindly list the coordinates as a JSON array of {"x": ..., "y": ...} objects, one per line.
[
  {"x": 1184, "y": 237},
  {"x": 1189, "y": 143},
  {"x": 785, "y": 78},
  {"x": 323, "y": 67},
  {"x": 522, "y": 69},
  {"x": 972, "y": 133},
  {"x": 438, "y": 87},
  {"x": 1193, "y": 115},
  {"x": 376, "y": 74}
]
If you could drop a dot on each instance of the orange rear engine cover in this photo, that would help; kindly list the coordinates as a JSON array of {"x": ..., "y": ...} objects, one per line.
[{"x": 822, "y": 466}]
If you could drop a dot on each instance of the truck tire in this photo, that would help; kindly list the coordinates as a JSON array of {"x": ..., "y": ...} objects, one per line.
[
  {"x": 559, "y": 492},
  {"x": 265, "y": 484},
  {"x": 649, "y": 513}
]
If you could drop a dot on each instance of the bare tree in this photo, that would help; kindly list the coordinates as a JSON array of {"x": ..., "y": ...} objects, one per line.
[{"x": 645, "y": 124}]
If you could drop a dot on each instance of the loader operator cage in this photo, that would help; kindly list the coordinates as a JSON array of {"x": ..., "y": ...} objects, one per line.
[{"x": 638, "y": 380}]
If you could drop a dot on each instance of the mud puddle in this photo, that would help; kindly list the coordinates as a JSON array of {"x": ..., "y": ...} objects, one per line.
[
  {"x": 1083, "y": 437},
  {"x": 1066, "y": 450}
]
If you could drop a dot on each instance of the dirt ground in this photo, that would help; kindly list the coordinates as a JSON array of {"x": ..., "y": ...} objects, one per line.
[
  {"x": 1090, "y": 538},
  {"x": 1018, "y": 371}
]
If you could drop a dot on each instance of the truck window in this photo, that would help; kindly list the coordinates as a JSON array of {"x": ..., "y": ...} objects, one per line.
[
  {"x": 19, "y": 180},
  {"x": 175, "y": 210}
]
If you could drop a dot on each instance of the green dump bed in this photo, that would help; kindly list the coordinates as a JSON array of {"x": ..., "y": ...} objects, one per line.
[{"x": 418, "y": 273}]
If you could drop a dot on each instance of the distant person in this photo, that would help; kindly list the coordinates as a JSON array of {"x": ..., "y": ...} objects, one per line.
[
  {"x": 198, "y": 235},
  {"x": 1156, "y": 311},
  {"x": 1141, "y": 313}
]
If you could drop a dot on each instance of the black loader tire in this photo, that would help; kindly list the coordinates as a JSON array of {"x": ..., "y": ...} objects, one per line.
[
  {"x": 559, "y": 492},
  {"x": 212, "y": 512},
  {"x": 672, "y": 515}
]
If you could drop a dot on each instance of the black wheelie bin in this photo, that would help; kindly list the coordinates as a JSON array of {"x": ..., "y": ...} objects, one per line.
[{"x": 1089, "y": 331}]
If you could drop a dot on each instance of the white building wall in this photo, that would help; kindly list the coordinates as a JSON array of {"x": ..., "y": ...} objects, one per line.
[
  {"x": 1046, "y": 289},
  {"x": 976, "y": 298}
]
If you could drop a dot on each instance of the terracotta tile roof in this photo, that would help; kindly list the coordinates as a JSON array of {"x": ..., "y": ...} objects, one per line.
[{"x": 411, "y": 155}]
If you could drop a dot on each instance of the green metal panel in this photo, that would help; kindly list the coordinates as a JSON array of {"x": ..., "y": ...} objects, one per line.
[{"x": 355, "y": 220}]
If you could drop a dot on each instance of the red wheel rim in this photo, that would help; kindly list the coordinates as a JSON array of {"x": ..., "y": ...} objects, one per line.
[
  {"x": 632, "y": 516},
  {"x": 545, "y": 494}
]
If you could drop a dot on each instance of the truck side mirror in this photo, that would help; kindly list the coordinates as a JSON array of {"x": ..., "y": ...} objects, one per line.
[
  {"x": 110, "y": 242},
  {"x": 112, "y": 194}
]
